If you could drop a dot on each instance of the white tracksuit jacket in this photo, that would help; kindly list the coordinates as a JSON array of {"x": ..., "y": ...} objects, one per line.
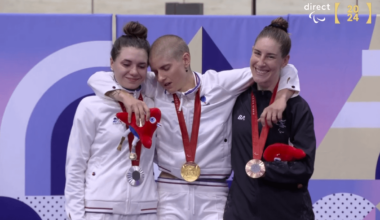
[
  {"x": 219, "y": 91},
  {"x": 96, "y": 171}
]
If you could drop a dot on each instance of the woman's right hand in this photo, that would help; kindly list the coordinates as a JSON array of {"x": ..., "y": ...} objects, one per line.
[{"x": 131, "y": 104}]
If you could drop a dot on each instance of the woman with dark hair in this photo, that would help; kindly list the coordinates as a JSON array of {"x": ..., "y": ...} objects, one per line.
[
  {"x": 104, "y": 178},
  {"x": 265, "y": 189}
]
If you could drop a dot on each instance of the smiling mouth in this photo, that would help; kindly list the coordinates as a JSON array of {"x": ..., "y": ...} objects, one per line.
[
  {"x": 261, "y": 72},
  {"x": 133, "y": 80},
  {"x": 167, "y": 84}
]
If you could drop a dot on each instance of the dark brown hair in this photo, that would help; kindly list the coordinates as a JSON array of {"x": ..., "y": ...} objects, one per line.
[
  {"x": 135, "y": 36},
  {"x": 278, "y": 31}
]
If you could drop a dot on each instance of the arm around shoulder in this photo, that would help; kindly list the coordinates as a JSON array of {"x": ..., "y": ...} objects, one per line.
[
  {"x": 149, "y": 86},
  {"x": 102, "y": 83},
  {"x": 289, "y": 80},
  {"x": 288, "y": 87},
  {"x": 233, "y": 81}
]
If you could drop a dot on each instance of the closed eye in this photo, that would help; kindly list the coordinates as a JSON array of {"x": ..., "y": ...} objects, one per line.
[{"x": 166, "y": 67}]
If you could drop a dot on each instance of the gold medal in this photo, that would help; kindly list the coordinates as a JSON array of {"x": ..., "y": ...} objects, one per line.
[
  {"x": 255, "y": 168},
  {"x": 190, "y": 171}
]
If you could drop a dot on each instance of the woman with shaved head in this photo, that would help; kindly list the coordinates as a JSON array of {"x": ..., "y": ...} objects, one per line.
[{"x": 193, "y": 146}]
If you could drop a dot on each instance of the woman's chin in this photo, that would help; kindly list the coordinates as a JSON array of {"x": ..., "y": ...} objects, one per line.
[
  {"x": 260, "y": 79},
  {"x": 131, "y": 85}
]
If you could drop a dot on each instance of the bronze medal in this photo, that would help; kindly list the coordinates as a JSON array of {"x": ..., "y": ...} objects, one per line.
[{"x": 255, "y": 168}]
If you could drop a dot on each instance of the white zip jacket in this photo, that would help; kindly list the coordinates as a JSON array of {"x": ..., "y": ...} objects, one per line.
[
  {"x": 219, "y": 91},
  {"x": 96, "y": 171}
]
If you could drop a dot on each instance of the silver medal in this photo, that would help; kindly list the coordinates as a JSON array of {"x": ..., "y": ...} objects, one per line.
[{"x": 135, "y": 176}]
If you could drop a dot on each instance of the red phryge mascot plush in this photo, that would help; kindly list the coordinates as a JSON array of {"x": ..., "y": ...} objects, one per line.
[
  {"x": 283, "y": 152},
  {"x": 145, "y": 132}
]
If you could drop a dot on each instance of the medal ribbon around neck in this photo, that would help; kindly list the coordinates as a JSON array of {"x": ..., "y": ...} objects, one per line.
[
  {"x": 130, "y": 139},
  {"x": 258, "y": 143},
  {"x": 190, "y": 146}
]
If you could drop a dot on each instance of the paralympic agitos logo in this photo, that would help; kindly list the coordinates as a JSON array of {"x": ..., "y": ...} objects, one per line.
[{"x": 311, "y": 7}]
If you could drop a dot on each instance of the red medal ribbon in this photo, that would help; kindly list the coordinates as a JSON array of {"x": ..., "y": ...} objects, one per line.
[
  {"x": 190, "y": 146},
  {"x": 130, "y": 139},
  {"x": 258, "y": 143}
]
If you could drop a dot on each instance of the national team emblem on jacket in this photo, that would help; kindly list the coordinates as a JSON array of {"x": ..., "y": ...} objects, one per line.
[
  {"x": 116, "y": 120},
  {"x": 241, "y": 117},
  {"x": 281, "y": 125}
]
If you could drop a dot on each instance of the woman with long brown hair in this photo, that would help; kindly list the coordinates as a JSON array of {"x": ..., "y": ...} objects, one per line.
[{"x": 268, "y": 190}]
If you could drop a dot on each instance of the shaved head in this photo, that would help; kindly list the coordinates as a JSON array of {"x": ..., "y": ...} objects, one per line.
[
  {"x": 169, "y": 45},
  {"x": 170, "y": 61}
]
